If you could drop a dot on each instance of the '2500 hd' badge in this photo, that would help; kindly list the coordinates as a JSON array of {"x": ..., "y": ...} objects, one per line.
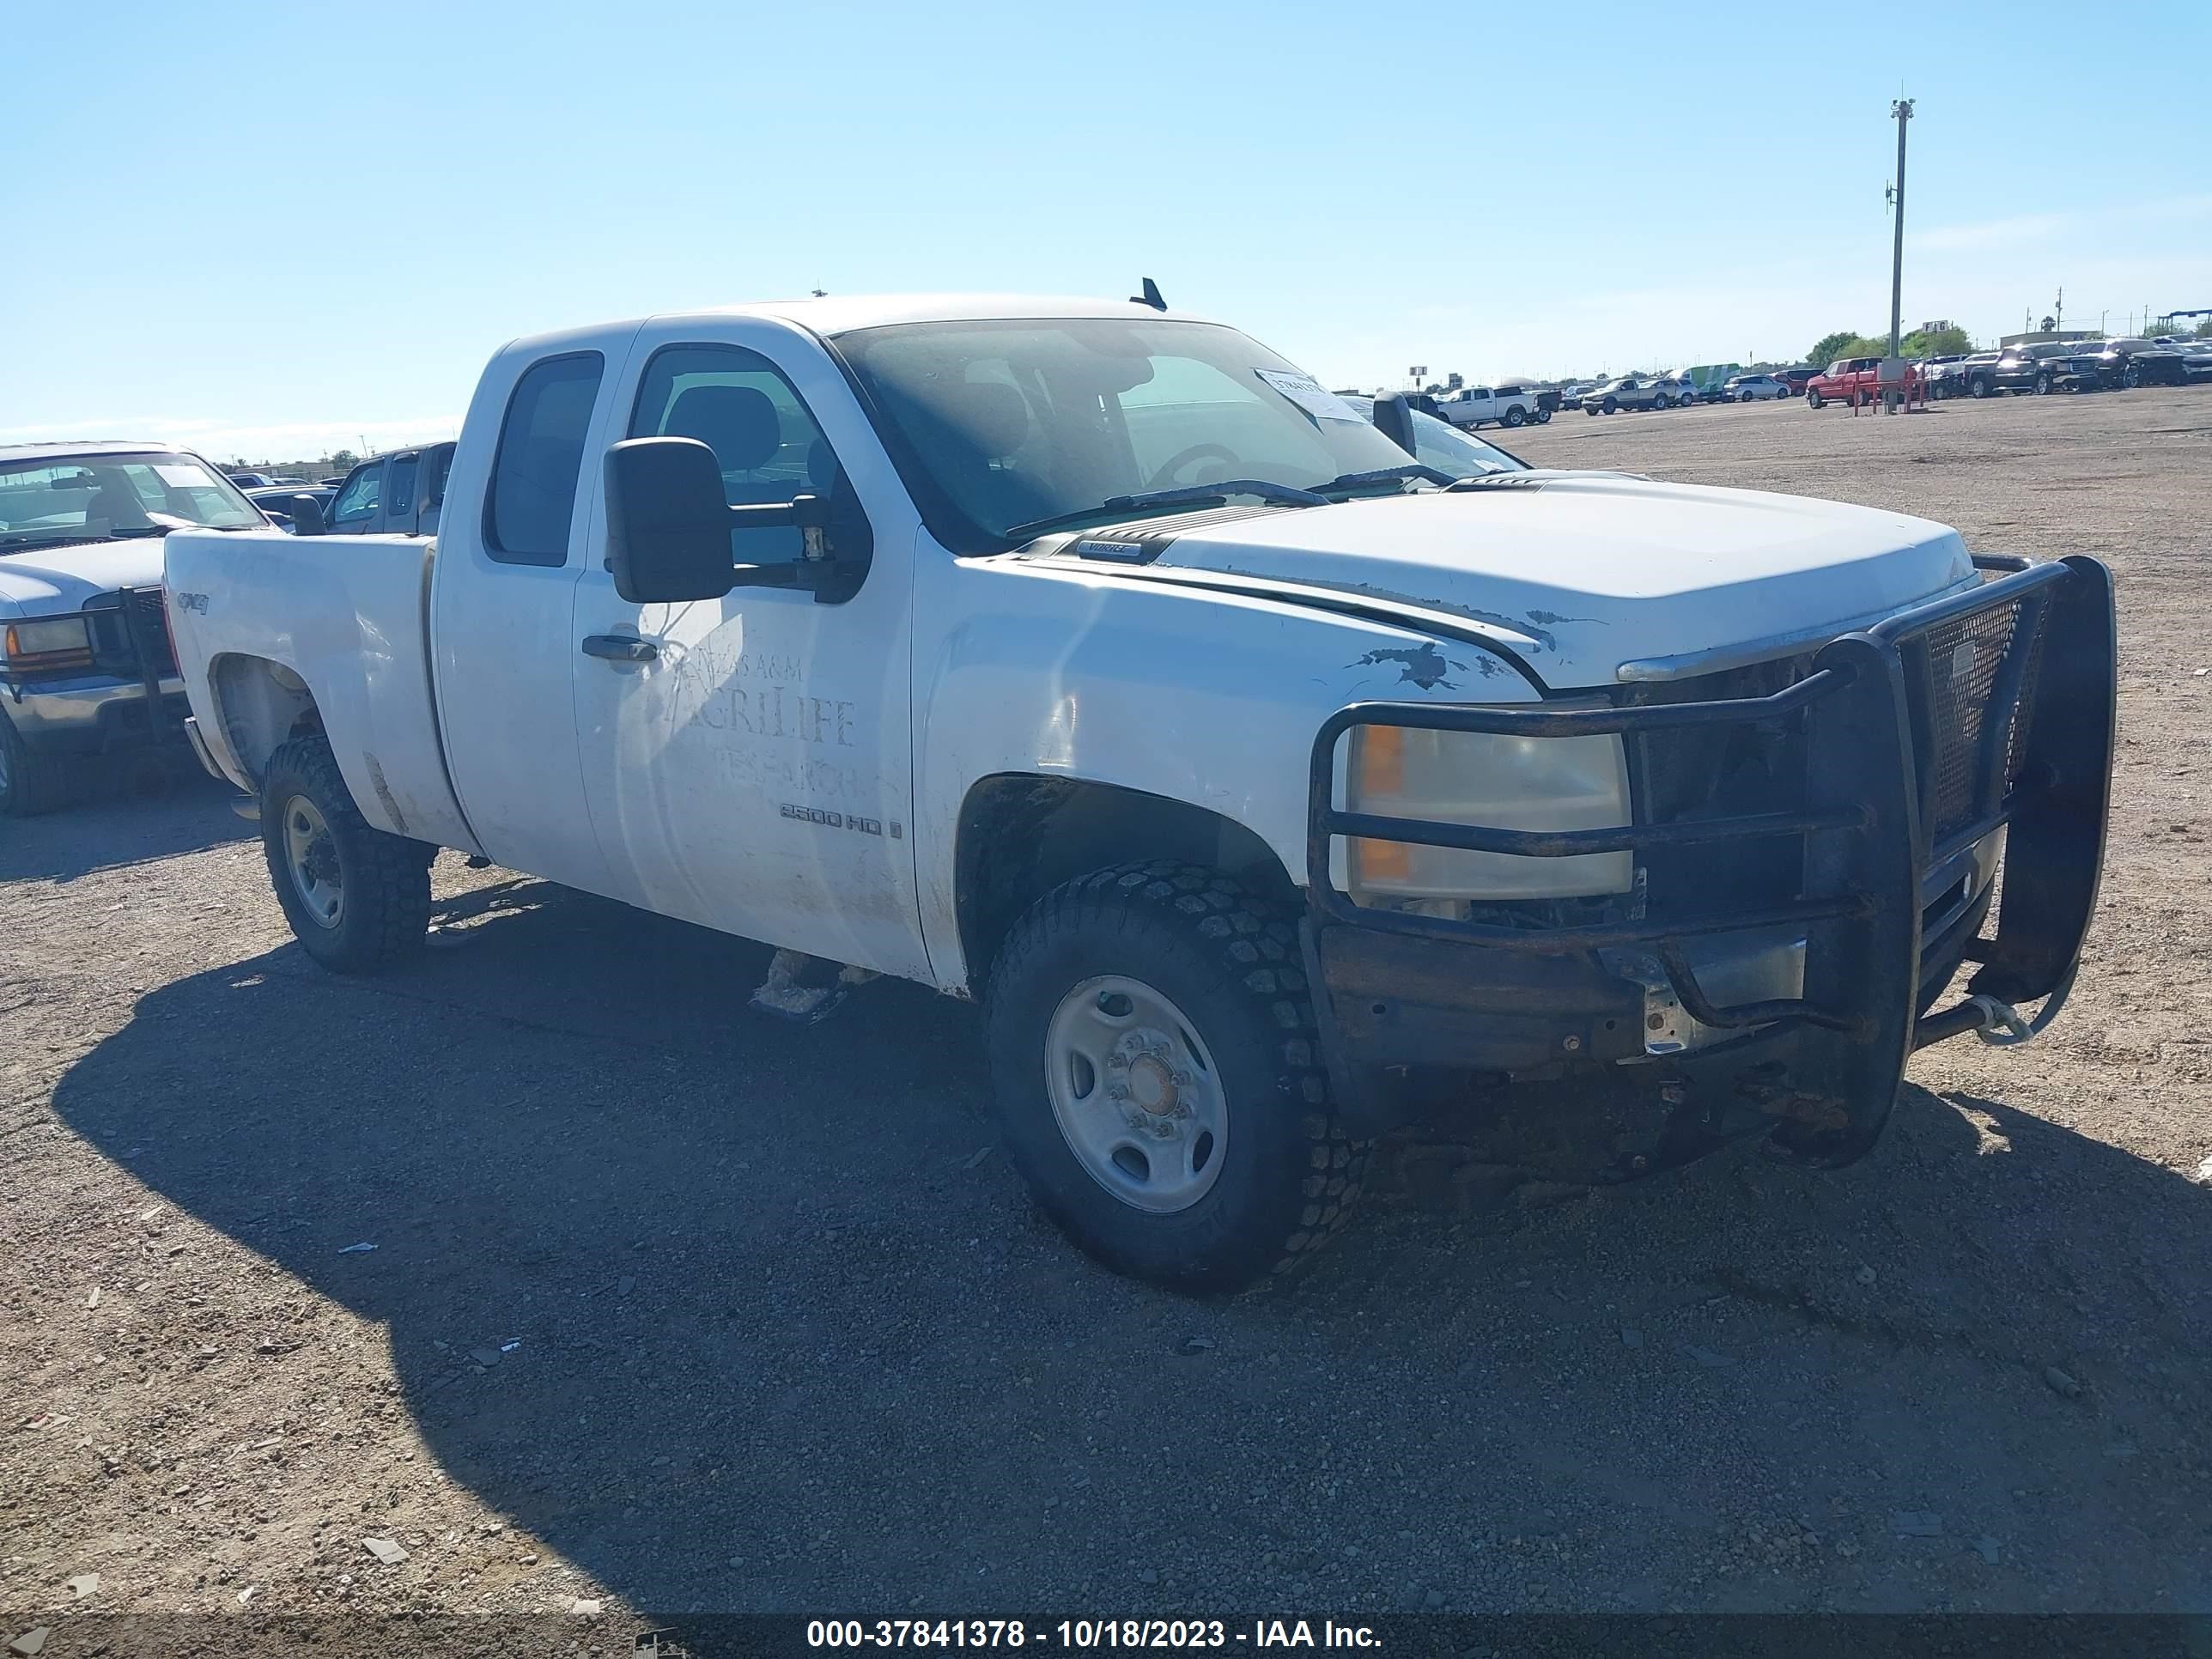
[{"x": 829, "y": 820}]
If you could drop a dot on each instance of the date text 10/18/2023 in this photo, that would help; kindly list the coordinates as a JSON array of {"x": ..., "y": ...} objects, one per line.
[{"x": 1086, "y": 1634}]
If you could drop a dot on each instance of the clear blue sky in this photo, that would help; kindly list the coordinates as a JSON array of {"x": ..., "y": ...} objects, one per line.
[{"x": 277, "y": 228}]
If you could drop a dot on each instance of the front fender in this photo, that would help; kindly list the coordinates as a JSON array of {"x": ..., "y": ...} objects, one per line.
[{"x": 1203, "y": 697}]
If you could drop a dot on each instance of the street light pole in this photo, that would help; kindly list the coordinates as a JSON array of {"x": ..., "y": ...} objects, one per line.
[{"x": 1902, "y": 109}]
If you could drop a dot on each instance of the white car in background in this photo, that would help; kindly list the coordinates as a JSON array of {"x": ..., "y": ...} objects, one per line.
[
  {"x": 1752, "y": 388},
  {"x": 85, "y": 664}
]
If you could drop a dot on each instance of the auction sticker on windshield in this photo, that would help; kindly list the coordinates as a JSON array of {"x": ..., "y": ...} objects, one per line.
[
  {"x": 185, "y": 476},
  {"x": 1311, "y": 396}
]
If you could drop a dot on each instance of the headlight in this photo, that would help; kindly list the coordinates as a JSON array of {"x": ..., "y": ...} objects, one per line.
[
  {"x": 49, "y": 643},
  {"x": 1500, "y": 782}
]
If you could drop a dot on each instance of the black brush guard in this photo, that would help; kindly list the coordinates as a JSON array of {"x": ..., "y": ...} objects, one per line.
[{"x": 1888, "y": 802}]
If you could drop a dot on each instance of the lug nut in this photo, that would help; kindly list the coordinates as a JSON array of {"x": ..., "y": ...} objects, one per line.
[
  {"x": 1673, "y": 1093},
  {"x": 1570, "y": 1044}
]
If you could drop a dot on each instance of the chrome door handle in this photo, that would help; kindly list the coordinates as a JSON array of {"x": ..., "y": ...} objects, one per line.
[{"x": 620, "y": 648}]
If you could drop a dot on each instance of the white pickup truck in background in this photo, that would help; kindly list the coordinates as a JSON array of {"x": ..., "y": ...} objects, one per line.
[
  {"x": 1267, "y": 783},
  {"x": 1472, "y": 406}
]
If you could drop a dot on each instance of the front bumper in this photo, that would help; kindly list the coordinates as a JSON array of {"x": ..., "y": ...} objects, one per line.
[
  {"x": 1931, "y": 766},
  {"x": 94, "y": 713}
]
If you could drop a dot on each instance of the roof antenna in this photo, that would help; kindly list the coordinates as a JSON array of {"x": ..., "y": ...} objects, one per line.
[{"x": 1150, "y": 296}]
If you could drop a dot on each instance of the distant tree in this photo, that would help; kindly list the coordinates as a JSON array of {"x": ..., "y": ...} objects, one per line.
[
  {"x": 344, "y": 457},
  {"x": 1829, "y": 347},
  {"x": 1936, "y": 342},
  {"x": 2204, "y": 329}
]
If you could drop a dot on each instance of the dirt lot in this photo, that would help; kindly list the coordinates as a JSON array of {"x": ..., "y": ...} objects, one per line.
[{"x": 670, "y": 1307}]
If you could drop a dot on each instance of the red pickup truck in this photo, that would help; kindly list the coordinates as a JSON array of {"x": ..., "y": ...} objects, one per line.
[{"x": 1850, "y": 379}]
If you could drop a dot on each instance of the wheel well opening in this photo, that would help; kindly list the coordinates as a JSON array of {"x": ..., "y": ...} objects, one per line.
[
  {"x": 1021, "y": 836},
  {"x": 261, "y": 704}
]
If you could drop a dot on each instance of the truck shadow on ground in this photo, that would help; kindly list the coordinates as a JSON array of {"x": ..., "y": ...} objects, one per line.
[
  {"x": 127, "y": 809},
  {"x": 786, "y": 1338}
]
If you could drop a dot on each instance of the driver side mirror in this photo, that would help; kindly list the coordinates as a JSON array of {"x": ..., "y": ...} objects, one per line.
[
  {"x": 305, "y": 512},
  {"x": 1394, "y": 419},
  {"x": 668, "y": 527}
]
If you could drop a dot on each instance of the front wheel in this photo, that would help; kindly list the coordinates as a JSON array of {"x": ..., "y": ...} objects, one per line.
[
  {"x": 358, "y": 898},
  {"x": 30, "y": 782},
  {"x": 1611, "y": 405},
  {"x": 1157, "y": 1078},
  {"x": 2043, "y": 386},
  {"x": 2131, "y": 377},
  {"x": 1813, "y": 399}
]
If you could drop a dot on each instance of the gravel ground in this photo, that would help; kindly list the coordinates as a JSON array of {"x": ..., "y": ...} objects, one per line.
[{"x": 672, "y": 1308}]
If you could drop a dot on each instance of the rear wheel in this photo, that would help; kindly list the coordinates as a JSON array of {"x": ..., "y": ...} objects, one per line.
[
  {"x": 30, "y": 782},
  {"x": 1516, "y": 416},
  {"x": 1157, "y": 1078},
  {"x": 358, "y": 899}
]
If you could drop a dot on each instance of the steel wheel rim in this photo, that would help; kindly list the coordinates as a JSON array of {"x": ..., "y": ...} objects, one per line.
[
  {"x": 311, "y": 858},
  {"x": 1136, "y": 1094}
]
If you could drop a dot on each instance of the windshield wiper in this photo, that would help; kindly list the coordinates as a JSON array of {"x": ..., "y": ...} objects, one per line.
[
  {"x": 1208, "y": 494},
  {"x": 1434, "y": 474}
]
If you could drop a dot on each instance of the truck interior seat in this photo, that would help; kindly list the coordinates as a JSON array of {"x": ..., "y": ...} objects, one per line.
[
  {"x": 740, "y": 424},
  {"x": 984, "y": 423}
]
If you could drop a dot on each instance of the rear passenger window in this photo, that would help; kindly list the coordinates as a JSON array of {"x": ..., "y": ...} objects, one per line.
[
  {"x": 399, "y": 489},
  {"x": 764, "y": 439},
  {"x": 541, "y": 453}
]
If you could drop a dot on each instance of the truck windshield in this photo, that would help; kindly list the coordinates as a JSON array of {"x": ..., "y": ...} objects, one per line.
[
  {"x": 113, "y": 497},
  {"x": 1000, "y": 423}
]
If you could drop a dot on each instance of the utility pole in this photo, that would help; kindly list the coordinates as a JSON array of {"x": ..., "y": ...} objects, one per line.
[{"x": 1902, "y": 109}]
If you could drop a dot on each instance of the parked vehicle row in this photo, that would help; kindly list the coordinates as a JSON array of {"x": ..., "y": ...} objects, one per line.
[{"x": 2044, "y": 367}]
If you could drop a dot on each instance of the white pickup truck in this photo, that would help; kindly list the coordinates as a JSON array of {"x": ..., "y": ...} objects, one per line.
[
  {"x": 1266, "y": 783},
  {"x": 1472, "y": 406}
]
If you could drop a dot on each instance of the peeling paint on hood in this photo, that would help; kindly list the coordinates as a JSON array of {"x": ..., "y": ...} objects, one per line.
[{"x": 1599, "y": 569}]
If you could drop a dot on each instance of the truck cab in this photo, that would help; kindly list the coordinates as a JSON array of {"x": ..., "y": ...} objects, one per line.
[
  {"x": 396, "y": 494},
  {"x": 1259, "y": 778}
]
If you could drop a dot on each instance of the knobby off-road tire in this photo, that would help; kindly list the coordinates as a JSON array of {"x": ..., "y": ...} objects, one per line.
[
  {"x": 30, "y": 782},
  {"x": 1287, "y": 1174},
  {"x": 382, "y": 882}
]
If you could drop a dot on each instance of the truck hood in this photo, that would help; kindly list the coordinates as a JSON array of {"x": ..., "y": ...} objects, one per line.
[
  {"x": 1582, "y": 573},
  {"x": 44, "y": 581}
]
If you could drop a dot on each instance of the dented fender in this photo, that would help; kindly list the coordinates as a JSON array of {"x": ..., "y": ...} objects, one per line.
[{"x": 1198, "y": 695}]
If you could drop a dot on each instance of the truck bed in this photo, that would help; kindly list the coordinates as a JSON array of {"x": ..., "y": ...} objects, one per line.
[{"x": 273, "y": 630}]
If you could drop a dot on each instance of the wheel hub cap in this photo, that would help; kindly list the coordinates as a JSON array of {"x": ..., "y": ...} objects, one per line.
[
  {"x": 312, "y": 858},
  {"x": 1136, "y": 1094}
]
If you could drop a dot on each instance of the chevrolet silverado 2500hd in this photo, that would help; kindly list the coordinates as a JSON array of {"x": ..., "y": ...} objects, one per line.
[{"x": 1260, "y": 778}]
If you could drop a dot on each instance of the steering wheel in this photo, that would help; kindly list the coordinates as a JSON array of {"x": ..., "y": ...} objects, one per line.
[{"x": 1184, "y": 457}]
